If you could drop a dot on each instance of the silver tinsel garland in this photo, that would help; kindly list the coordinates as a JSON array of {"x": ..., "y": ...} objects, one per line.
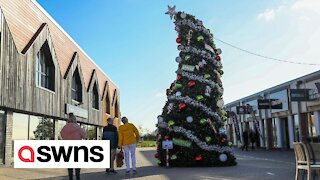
[
  {"x": 197, "y": 27},
  {"x": 201, "y": 64},
  {"x": 200, "y": 79},
  {"x": 201, "y": 144},
  {"x": 202, "y": 53},
  {"x": 188, "y": 100},
  {"x": 170, "y": 108}
]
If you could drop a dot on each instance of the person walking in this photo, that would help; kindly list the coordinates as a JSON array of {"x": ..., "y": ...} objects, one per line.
[
  {"x": 245, "y": 140},
  {"x": 110, "y": 132},
  {"x": 252, "y": 138},
  {"x": 72, "y": 131},
  {"x": 128, "y": 138}
]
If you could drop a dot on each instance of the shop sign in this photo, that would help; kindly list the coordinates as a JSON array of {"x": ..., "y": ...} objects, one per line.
[
  {"x": 167, "y": 145},
  {"x": 269, "y": 104},
  {"x": 242, "y": 110},
  {"x": 77, "y": 111},
  {"x": 299, "y": 94}
]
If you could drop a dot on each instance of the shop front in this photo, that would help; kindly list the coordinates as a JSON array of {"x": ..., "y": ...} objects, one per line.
[
  {"x": 25, "y": 126},
  {"x": 281, "y": 122}
]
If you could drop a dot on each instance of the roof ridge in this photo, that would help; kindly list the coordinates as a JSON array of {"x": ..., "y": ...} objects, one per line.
[{"x": 70, "y": 38}]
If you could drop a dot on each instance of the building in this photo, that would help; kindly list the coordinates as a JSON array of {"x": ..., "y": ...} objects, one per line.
[
  {"x": 296, "y": 119},
  {"x": 44, "y": 75}
]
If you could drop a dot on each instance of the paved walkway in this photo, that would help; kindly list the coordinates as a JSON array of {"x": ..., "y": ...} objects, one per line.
[{"x": 253, "y": 165}]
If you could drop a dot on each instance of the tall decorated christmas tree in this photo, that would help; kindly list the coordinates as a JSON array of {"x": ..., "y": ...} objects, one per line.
[{"x": 193, "y": 116}]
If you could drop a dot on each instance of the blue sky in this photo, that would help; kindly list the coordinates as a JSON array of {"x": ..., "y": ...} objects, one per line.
[{"x": 133, "y": 41}]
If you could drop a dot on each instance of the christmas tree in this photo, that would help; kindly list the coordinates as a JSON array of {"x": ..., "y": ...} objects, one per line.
[{"x": 193, "y": 116}]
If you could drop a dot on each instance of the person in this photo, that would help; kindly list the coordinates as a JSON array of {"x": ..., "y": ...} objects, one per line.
[
  {"x": 245, "y": 140},
  {"x": 110, "y": 132},
  {"x": 72, "y": 131},
  {"x": 252, "y": 138},
  {"x": 128, "y": 137}
]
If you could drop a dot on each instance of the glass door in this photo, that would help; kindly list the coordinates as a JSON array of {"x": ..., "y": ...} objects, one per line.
[{"x": 2, "y": 135}]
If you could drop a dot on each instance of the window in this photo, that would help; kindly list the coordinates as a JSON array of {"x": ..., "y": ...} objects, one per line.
[
  {"x": 28, "y": 127},
  {"x": 296, "y": 128},
  {"x": 35, "y": 128},
  {"x": 107, "y": 103},
  {"x": 45, "y": 71},
  {"x": 91, "y": 132},
  {"x": 40, "y": 128},
  {"x": 116, "y": 110},
  {"x": 311, "y": 125},
  {"x": 59, "y": 124},
  {"x": 19, "y": 128},
  {"x": 95, "y": 97},
  {"x": 85, "y": 128},
  {"x": 2, "y": 134},
  {"x": 76, "y": 86}
]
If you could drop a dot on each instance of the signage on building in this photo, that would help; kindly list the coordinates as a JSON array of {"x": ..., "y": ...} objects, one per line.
[
  {"x": 167, "y": 145},
  {"x": 77, "y": 111},
  {"x": 269, "y": 104},
  {"x": 242, "y": 110},
  {"x": 299, "y": 94}
]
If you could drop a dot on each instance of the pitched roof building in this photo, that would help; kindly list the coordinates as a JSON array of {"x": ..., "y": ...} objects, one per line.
[{"x": 44, "y": 75}]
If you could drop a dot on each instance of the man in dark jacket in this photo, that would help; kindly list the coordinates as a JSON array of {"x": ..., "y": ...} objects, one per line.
[
  {"x": 245, "y": 140},
  {"x": 252, "y": 138},
  {"x": 110, "y": 132}
]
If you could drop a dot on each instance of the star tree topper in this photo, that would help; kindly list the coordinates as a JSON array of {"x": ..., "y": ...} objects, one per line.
[{"x": 171, "y": 11}]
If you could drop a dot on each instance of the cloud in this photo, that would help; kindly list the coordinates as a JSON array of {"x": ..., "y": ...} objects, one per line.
[
  {"x": 269, "y": 14},
  {"x": 304, "y": 18},
  {"x": 160, "y": 94},
  {"x": 308, "y": 5}
]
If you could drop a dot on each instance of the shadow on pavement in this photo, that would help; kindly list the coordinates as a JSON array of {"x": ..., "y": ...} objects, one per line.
[{"x": 249, "y": 167}]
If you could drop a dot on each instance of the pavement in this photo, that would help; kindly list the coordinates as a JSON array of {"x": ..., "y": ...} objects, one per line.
[{"x": 252, "y": 165}]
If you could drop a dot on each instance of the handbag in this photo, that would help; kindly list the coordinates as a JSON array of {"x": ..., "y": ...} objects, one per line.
[{"x": 119, "y": 158}]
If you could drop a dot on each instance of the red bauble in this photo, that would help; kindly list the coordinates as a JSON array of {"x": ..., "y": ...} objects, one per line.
[
  {"x": 178, "y": 40},
  {"x": 168, "y": 91},
  {"x": 179, "y": 77},
  {"x": 218, "y": 58},
  {"x": 182, "y": 106},
  {"x": 191, "y": 83},
  {"x": 156, "y": 155},
  {"x": 198, "y": 158},
  {"x": 167, "y": 137},
  {"x": 223, "y": 140}
]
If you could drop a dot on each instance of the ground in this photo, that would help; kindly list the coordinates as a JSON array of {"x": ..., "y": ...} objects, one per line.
[{"x": 252, "y": 165}]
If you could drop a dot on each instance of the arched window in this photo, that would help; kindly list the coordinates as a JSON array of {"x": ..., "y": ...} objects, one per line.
[
  {"x": 76, "y": 86},
  {"x": 108, "y": 103},
  {"x": 45, "y": 70},
  {"x": 95, "y": 97},
  {"x": 116, "y": 110}
]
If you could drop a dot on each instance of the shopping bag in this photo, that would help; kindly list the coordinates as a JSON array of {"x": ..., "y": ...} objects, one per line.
[{"x": 119, "y": 158}]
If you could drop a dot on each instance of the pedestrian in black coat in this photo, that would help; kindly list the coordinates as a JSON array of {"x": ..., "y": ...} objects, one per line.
[
  {"x": 245, "y": 140},
  {"x": 252, "y": 138}
]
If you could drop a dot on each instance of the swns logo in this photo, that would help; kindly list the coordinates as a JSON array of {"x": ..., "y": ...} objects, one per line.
[{"x": 61, "y": 154}]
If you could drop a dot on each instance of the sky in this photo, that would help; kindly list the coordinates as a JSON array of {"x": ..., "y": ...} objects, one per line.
[{"x": 133, "y": 41}]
